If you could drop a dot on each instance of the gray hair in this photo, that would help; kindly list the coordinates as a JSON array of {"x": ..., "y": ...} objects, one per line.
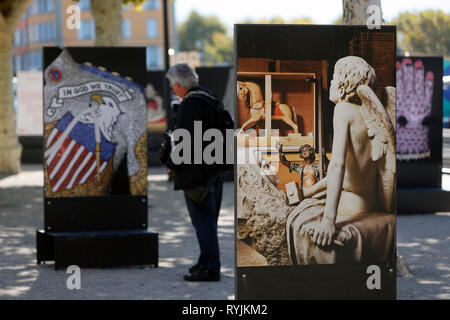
[{"x": 183, "y": 74}]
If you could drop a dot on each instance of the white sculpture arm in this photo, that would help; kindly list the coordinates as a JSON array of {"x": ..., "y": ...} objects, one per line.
[{"x": 312, "y": 191}]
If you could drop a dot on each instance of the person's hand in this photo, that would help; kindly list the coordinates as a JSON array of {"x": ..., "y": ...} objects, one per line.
[{"x": 321, "y": 233}]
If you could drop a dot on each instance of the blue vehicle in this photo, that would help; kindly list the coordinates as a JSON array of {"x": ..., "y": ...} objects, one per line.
[{"x": 446, "y": 94}]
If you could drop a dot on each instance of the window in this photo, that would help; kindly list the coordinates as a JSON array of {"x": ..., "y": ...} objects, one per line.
[
  {"x": 151, "y": 5},
  {"x": 126, "y": 29},
  {"x": 87, "y": 30},
  {"x": 23, "y": 62},
  {"x": 49, "y": 31},
  {"x": 18, "y": 62},
  {"x": 23, "y": 37},
  {"x": 14, "y": 64},
  {"x": 40, "y": 32},
  {"x": 49, "y": 5},
  {"x": 84, "y": 5},
  {"x": 152, "y": 28},
  {"x": 35, "y": 60},
  {"x": 20, "y": 38},
  {"x": 34, "y": 8},
  {"x": 32, "y": 32},
  {"x": 154, "y": 57}
]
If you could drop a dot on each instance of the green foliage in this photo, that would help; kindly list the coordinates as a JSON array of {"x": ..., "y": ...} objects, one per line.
[
  {"x": 197, "y": 31},
  {"x": 206, "y": 34},
  {"x": 425, "y": 32},
  {"x": 302, "y": 20},
  {"x": 338, "y": 20},
  {"x": 125, "y": 2},
  {"x": 135, "y": 2}
]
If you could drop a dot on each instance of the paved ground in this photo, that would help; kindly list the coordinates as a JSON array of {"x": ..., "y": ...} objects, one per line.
[{"x": 423, "y": 240}]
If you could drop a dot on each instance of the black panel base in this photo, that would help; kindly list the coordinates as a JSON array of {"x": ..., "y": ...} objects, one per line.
[
  {"x": 310, "y": 282},
  {"x": 98, "y": 249},
  {"x": 419, "y": 174},
  {"x": 422, "y": 200}
]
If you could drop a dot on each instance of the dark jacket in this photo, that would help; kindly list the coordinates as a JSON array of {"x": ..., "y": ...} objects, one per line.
[{"x": 193, "y": 108}]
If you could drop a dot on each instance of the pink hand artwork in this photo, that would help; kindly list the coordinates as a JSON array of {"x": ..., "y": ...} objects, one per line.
[{"x": 414, "y": 99}]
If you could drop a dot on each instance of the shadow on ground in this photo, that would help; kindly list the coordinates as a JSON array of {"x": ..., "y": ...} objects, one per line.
[{"x": 424, "y": 241}]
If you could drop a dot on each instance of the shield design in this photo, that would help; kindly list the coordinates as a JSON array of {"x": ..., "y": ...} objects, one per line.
[{"x": 74, "y": 162}]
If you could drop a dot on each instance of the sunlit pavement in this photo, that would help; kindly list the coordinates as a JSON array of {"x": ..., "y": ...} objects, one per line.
[
  {"x": 423, "y": 240},
  {"x": 21, "y": 213}
]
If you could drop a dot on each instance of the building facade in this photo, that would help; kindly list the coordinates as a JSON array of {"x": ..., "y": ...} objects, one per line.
[{"x": 44, "y": 24}]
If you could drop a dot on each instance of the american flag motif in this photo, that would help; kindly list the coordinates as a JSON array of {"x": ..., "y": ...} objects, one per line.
[{"x": 74, "y": 163}]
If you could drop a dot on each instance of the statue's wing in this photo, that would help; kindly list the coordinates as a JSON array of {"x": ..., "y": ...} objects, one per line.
[{"x": 382, "y": 137}]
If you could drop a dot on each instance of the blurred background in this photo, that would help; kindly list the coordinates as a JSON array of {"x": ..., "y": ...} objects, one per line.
[{"x": 199, "y": 32}]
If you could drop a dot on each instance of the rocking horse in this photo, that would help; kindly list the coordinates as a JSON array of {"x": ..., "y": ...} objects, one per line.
[{"x": 257, "y": 108}]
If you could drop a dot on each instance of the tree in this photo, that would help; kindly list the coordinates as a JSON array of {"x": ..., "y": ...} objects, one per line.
[
  {"x": 207, "y": 34},
  {"x": 197, "y": 31},
  {"x": 426, "y": 32},
  {"x": 108, "y": 20},
  {"x": 302, "y": 20},
  {"x": 352, "y": 16},
  {"x": 280, "y": 20},
  {"x": 11, "y": 12},
  {"x": 203, "y": 33},
  {"x": 338, "y": 20},
  {"x": 272, "y": 20}
]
